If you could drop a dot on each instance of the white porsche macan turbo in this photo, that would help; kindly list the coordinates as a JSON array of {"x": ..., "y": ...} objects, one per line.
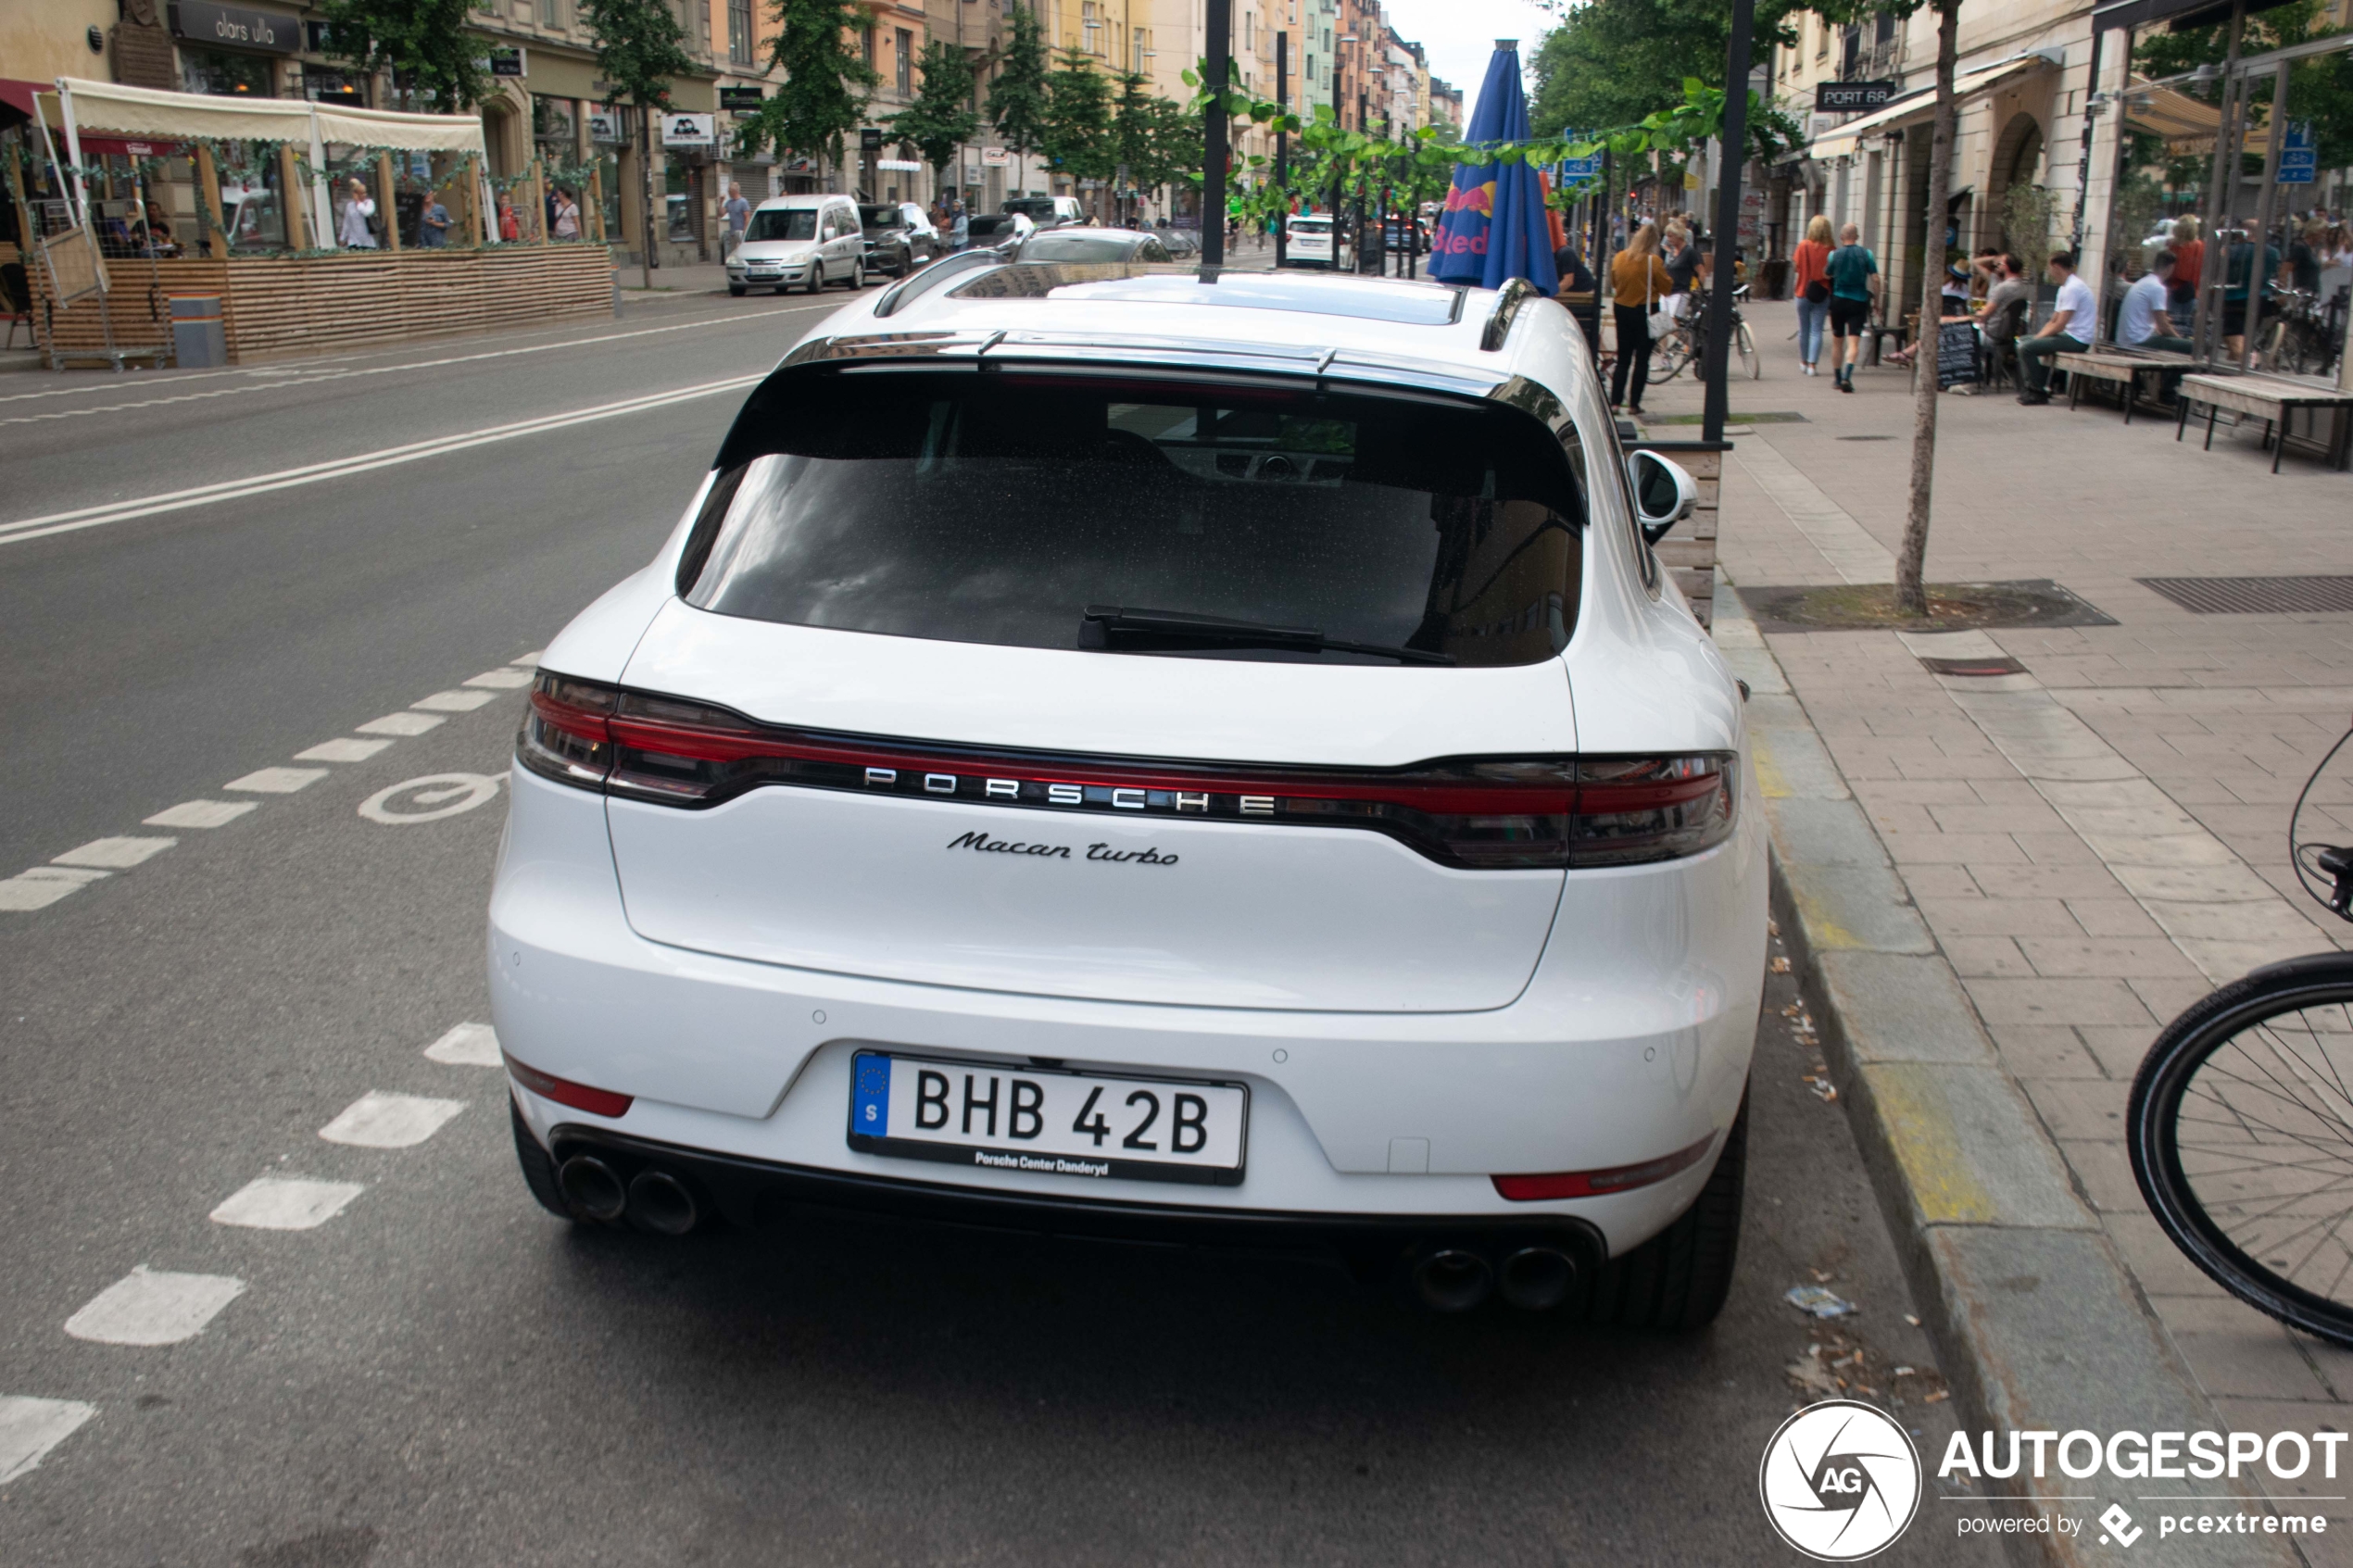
[{"x": 1131, "y": 751}]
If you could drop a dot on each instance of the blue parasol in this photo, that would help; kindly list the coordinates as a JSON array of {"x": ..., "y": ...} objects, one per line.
[{"x": 1494, "y": 225}]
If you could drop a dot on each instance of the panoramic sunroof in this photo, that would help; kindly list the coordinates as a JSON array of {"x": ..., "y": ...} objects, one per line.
[{"x": 1417, "y": 305}]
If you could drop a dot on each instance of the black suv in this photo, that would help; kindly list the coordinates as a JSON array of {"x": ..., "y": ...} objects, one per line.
[{"x": 894, "y": 243}]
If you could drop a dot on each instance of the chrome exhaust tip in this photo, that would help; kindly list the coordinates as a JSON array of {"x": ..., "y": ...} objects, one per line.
[
  {"x": 591, "y": 1187},
  {"x": 1451, "y": 1280},
  {"x": 1536, "y": 1278}
]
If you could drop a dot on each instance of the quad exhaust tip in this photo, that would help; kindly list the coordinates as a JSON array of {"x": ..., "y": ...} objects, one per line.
[
  {"x": 1537, "y": 1278},
  {"x": 1451, "y": 1280},
  {"x": 659, "y": 1201},
  {"x": 591, "y": 1187}
]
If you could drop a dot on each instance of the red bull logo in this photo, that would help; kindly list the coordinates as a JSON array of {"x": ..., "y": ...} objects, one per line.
[{"x": 1475, "y": 198}]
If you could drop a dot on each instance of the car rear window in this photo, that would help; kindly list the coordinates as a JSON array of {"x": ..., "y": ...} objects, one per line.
[
  {"x": 997, "y": 505},
  {"x": 1051, "y": 246}
]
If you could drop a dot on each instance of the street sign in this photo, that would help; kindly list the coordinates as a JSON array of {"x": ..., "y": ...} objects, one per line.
[
  {"x": 1576, "y": 170},
  {"x": 741, "y": 100},
  {"x": 687, "y": 129},
  {"x": 1845, "y": 97},
  {"x": 2299, "y": 158},
  {"x": 507, "y": 62},
  {"x": 995, "y": 158},
  {"x": 870, "y": 139}
]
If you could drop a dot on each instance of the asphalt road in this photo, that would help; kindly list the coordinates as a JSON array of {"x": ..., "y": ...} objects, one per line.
[{"x": 440, "y": 1372}]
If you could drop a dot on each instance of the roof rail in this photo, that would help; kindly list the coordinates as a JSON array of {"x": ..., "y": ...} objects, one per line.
[
  {"x": 915, "y": 283},
  {"x": 1514, "y": 293}
]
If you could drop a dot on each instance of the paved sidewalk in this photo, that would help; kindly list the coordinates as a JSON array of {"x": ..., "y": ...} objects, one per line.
[{"x": 2092, "y": 844}]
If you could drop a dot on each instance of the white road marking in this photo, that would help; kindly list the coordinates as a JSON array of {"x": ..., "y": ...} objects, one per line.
[
  {"x": 445, "y": 794},
  {"x": 532, "y": 658},
  {"x": 377, "y": 1120},
  {"x": 343, "y": 468},
  {"x": 150, "y": 1308},
  {"x": 43, "y": 886},
  {"x": 500, "y": 680},
  {"x": 399, "y": 724},
  {"x": 202, "y": 813},
  {"x": 317, "y": 371},
  {"x": 341, "y": 751},
  {"x": 29, "y": 1428},
  {"x": 114, "y": 853},
  {"x": 469, "y": 1045},
  {"x": 454, "y": 701},
  {"x": 278, "y": 781},
  {"x": 286, "y": 1203}
]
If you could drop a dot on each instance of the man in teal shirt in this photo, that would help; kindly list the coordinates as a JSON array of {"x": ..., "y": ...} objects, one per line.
[{"x": 1852, "y": 273}]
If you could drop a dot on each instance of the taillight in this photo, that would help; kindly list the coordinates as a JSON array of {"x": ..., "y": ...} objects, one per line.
[
  {"x": 1477, "y": 814},
  {"x": 1601, "y": 1183},
  {"x": 563, "y": 1091}
]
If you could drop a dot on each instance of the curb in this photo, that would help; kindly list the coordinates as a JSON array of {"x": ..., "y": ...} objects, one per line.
[{"x": 2040, "y": 1324}]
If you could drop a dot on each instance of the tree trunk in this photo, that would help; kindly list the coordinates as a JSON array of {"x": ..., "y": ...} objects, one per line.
[
  {"x": 1911, "y": 592},
  {"x": 646, "y": 195}
]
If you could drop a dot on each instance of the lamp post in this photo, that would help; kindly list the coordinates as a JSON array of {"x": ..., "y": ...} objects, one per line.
[
  {"x": 1734, "y": 143},
  {"x": 1343, "y": 38},
  {"x": 1283, "y": 144},
  {"x": 1220, "y": 43}
]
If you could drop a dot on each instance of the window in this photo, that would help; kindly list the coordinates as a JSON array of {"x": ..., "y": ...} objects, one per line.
[
  {"x": 866, "y": 46},
  {"x": 903, "y": 60},
  {"x": 794, "y": 223},
  {"x": 971, "y": 509},
  {"x": 739, "y": 35},
  {"x": 551, "y": 13},
  {"x": 1139, "y": 51},
  {"x": 1091, "y": 23}
]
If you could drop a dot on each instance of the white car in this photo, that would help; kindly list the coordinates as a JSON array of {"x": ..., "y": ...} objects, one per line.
[
  {"x": 1307, "y": 241},
  {"x": 801, "y": 242},
  {"x": 1163, "y": 754}
]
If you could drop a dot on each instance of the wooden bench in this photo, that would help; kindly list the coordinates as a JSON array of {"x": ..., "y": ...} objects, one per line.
[
  {"x": 2120, "y": 368},
  {"x": 2271, "y": 399}
]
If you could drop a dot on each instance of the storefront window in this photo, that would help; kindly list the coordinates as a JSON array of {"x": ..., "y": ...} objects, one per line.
[
  {"x": 251, "y": 210},
  {"x": 222, "y": 74}
]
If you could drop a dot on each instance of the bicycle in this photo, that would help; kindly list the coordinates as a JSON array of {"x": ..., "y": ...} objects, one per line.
[
  {"x": 1685, "y": 345},
  {"x": 2240, "y": 1124},
  {"x": 2300, "y": 342}
]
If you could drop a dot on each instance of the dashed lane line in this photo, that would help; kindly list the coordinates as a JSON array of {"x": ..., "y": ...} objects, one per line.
[
  {"x": 149, "y": 1307},
  {"x": 377, "y": 1120},
  {"x": 341, "y": 468},
  {"x": 286, "y": 1203},
  {"x": 469, "y": 1045},
  {"x": 319, "y": 371},
  {"x": 31, "y": 1427}
]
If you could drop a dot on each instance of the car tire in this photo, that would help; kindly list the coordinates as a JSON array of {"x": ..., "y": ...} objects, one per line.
[
  {"x": 1678, "y": 1279},
  {"x": 816, "y": 277},
  {"x": 857, "y": 275},
  {"x": 538, "y": 1167},
  {"x": 738, "y": 290}
]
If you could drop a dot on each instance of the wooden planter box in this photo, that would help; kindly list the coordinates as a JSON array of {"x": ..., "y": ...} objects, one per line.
[
  {"x": 1689, "y": 550},
  {"x": 275, "y": 307}
]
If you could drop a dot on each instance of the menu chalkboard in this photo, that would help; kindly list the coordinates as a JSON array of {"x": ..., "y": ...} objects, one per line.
[{"x": 1956, "y": 353}]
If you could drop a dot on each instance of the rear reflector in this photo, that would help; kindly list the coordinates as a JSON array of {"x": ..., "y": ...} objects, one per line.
[
  {"x": 563, "y": 1091},
  {"x": 1600, "y": 1184},
  {"x": 1476, "y": 813}
]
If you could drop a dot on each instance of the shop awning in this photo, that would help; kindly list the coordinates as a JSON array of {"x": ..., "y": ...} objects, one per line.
[
  {"x": 2181, "y": 16},
  {"x": 144, "y": 112},
  {"x": 2188, "y": 125},
  {"x": 1919, "y": 104}
]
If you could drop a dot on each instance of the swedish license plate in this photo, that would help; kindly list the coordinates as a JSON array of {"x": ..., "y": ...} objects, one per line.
[{"x": 1048, "y": 1122}]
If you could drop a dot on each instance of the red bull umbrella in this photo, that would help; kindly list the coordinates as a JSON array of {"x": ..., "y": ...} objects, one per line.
[{"x": 1495, "y": 226}]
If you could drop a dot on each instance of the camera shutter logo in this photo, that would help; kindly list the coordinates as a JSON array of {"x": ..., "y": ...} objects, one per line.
[{"x": 1840, "y": 1481}]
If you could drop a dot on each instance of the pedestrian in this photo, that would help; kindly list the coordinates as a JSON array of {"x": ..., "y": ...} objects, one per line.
[
  {"x": 738, "y": 214},
  {"x": 2143, "y": 321},
  {"x": 2239, "y": 270},
  {"x": 1853, "y": 273},
  {"x": 2075, "y": 318},
  {"x": 1813, "y": 289},
  {"x": 1577, "y": 279},
  {"x": 566, "y": 225},
  {"x": 509, "y": 226},
  {"x": 961, "y": 228},
  {"x": 1685, "y": 265},
  {"x": 433, "y": 223},
  {"x": 2189, "y": 267},
  {"x": 355, "y": 230},
  {"x": 1637, "y": 282}
]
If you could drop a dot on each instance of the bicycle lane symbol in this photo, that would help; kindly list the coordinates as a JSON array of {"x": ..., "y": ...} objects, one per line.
[{"x": 430, "y": 798}]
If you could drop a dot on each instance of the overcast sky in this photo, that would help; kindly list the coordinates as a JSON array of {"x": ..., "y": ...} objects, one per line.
[{"x": 1460, "y": 36}]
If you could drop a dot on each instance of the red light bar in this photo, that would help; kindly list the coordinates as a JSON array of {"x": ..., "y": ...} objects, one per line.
[
  {"x": 1600, "y": 1184},
  {"x": 563, "y": 1091}
]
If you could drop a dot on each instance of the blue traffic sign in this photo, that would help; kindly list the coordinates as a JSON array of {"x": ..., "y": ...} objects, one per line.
[{"x": 2299, "y": 158}]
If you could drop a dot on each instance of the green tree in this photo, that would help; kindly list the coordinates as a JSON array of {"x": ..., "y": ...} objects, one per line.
[
  {"x": 941, "y": 118},
  {"x": 639, "y": 50},
  {"x": 1018, "y": 99},
  {"x": 1612, "y": 62},
  {"x": 1079, "y": 135},
  {"x": 828, "y": 80},
  {"x": 424, "y": 43}
]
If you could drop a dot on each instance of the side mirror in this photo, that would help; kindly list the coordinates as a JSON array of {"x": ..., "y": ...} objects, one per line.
[{"x": 1664, "y": 493}]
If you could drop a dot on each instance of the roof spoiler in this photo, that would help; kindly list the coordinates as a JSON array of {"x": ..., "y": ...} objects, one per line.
[{"x": 918, "y": 283}]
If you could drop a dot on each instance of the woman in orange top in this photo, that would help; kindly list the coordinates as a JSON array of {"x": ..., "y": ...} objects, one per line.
[
  {"x": 1813, "y": 286},
  {"x": 1638, "y": 281}
]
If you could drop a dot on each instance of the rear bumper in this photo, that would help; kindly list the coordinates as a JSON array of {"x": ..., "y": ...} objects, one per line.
[{"x": 755, "y": 1193}]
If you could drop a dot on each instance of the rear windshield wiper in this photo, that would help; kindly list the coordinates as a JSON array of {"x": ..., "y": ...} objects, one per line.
[{"x": 1114, "y": 627}]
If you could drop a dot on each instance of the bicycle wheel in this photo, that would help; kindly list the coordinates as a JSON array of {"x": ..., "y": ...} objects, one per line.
[
  {"x": 2240, "y": 1129},
  {"x": 1668, "y": 359},
  {"x": 1749, "y": 361}
]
